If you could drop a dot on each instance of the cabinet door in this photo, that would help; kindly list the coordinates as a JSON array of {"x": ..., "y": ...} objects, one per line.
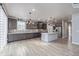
[{"x": 10, "y": 38}]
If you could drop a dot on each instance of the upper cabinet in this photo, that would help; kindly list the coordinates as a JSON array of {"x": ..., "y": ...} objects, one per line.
[{"x": 12, "y": 24}]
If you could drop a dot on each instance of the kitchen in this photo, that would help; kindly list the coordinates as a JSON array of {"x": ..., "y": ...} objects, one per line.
[
  {"x": 30, "y": 29},
  {"x": 20, "y": 28},
  {"x": 35, "y": 25}
]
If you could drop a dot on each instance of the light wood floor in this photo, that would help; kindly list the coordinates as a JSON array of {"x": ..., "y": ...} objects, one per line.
[{"x": 36, "y": 47}]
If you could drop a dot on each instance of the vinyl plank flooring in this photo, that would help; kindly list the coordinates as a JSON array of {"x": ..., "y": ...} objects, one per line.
[{"x": 36, "y": 47}]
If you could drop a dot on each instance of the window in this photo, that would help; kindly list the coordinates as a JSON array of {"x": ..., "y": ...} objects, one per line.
[{"x": 21, "y": 25}]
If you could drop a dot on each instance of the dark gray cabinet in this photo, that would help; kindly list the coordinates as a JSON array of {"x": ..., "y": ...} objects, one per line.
[
  {"x": 22, "y": 36},
  {"x": 12, "y": 24}
]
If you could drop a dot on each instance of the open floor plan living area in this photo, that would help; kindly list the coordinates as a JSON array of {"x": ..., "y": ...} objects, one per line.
[{"x": 39, "y": 29}]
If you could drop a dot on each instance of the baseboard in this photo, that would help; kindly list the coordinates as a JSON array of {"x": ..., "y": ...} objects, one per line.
[
  {"x": 64, "y": 37},
  {"x": 1, "y": 48},
  {"x": 75, "y": 43}
]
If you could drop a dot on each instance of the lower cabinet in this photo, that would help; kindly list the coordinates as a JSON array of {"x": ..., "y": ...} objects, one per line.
[{"x": 16, "y": 37}]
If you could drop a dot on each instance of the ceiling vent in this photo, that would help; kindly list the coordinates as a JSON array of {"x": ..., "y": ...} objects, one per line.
[{"x": 75, "y": 5}]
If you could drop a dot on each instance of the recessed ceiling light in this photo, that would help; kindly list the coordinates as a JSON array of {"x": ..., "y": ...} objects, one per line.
[{"x": 33, "y": 9}]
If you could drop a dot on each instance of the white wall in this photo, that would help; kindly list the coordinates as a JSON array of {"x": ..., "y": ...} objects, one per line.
[
  {"x": 75, "y": 27},
  {"x": 3, "y": 28},
  {"x": 75, "y": 24},
  {"x": 43, "y": 11}
]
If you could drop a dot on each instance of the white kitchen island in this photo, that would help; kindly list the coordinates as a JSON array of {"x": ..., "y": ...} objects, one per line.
[{"x": 48, "y": 37}]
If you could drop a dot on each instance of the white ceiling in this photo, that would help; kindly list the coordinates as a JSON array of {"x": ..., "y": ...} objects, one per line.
[{"x": 42, "y": 10}]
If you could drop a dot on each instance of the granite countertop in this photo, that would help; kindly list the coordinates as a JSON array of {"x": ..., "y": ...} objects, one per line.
[
  {"x": 25, "y": 31},
  {"x": 52, "y": 33}
]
